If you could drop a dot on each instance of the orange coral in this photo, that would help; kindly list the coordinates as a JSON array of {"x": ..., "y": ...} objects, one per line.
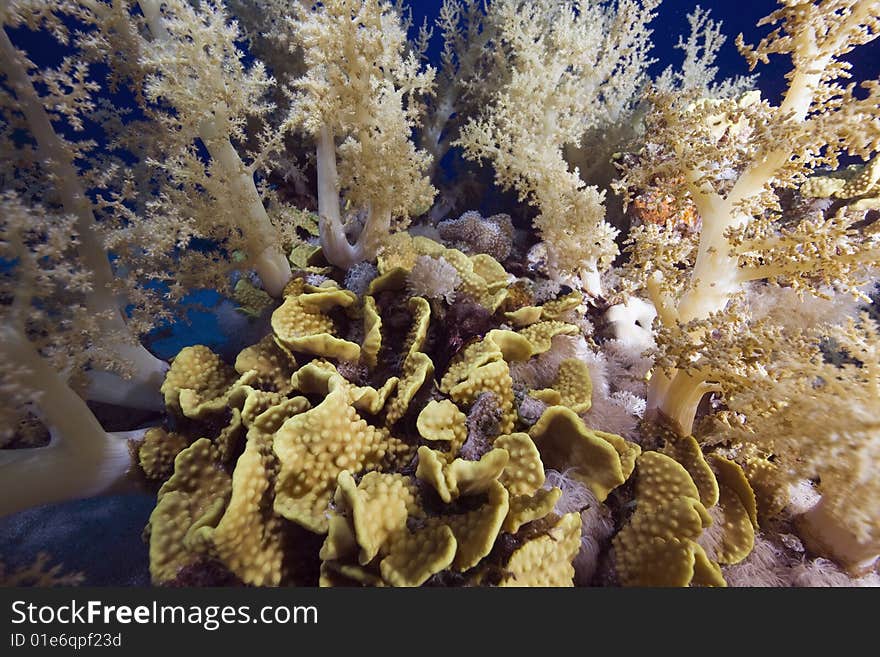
[{"x": 653, "y": 206}]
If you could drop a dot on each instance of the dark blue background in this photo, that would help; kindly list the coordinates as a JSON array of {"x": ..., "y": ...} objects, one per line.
[{"x": 737, "y": 17}]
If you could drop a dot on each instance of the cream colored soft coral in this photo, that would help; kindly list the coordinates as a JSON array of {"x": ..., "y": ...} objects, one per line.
[
  {"x": 820, "y": 421},
  {"x": 194, "y": 67},
  {"x": 359, "y": 101},
  {"x": 727, "y": 157},
  {"x": 45, "y": 328},
  {"x": 470, "y": 71},
  {"x": 46, "y": 167},
  {"x": 573, "y": 65}
]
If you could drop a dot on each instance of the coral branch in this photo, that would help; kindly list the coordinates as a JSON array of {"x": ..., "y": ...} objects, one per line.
[
  {"x": 263, "y": 238},
  {"x": 81, "y": 461},
  {"x": 145, "y": 369}
]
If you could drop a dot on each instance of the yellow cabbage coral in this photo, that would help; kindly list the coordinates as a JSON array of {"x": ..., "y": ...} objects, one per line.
[
  {"x": 382, "y": 532},
  {"x": 460, "y": 477},
  {"x": 189, "y": 506},
  {"x": 249, "y": 538},
  {"x": 273, "y": 364},
  {"x": 441, "y": 420},
  {"x": 658, "y": 546},
  {"x": 572, "y": 387},
  {"x": 315, "y": 446},
  {"x": 301, "y": 322},
  {"x": 330, "y": 471},
  {"x": 527, "y": 508},
  {"x": 663, "y": 543},
  {"x": 372, "y": 332},
  {"x": 417, "y": 366},
  {"x": 819, "y": 420},
  {"x": 479, "y": 277},
  {"x": 197, "y": 374},
  {"x": 546, "y": 560},
  {"x": 157, "y": 452},
  {"x": 602, "y": 461}
]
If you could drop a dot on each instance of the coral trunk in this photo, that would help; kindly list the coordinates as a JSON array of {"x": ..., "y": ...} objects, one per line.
[
  {"x": 674, "y": 401},
  {"x": 82, "y": 459},
  {"x": 824, "y": 534}
]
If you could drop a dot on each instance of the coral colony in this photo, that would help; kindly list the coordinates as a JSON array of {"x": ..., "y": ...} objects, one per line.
[{"x": 659, "y": 366}]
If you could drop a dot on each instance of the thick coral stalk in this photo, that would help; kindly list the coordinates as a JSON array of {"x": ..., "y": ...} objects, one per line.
[
  {"x": 680, "y": 395},
  {"x": 82, "y": 459},
  {"x": 358, "y": 101},
  {"x": 147, "y": 371},
  {"x": 140, "y": 391},
  {"x": 269, "y": 261},
  {"x": 825, "y": 534},
  {"x": 337, "y": 249},
  {"x": 717, "y": 275}
]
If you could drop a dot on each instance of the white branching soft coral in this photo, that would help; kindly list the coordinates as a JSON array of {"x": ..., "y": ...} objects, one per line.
[
  {"x": 433, "y": 278},
  {"x": 101, "y": 204},
  {"x": 785, "y": 307},
  {"x": 632, "y": 324},
  {"x": 698, "y": 70},
  {"x": 470, "y": 71},
  {"x": 46, "y": 328},
  {"x": 727, "y": 157},
  {"x": 544, "y": 289},
  {"x": 195, "y": 71},
  {"x": 820, "y": 421},
  {"x": 58, "y": 169},
  {"x": 359, "y": 101},
  {"x": 573, "y": 66}
]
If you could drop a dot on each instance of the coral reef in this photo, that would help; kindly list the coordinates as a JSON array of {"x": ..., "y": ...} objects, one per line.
[
  {"x": 421, "y": 480},
  {"x": 650, "y": 358},
  {"x": 403, "y": 487}
]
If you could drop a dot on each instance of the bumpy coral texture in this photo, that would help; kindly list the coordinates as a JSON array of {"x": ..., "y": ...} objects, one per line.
[
  {"x": 428, "y": 478},
  {"x": 397, "y": 502}
]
